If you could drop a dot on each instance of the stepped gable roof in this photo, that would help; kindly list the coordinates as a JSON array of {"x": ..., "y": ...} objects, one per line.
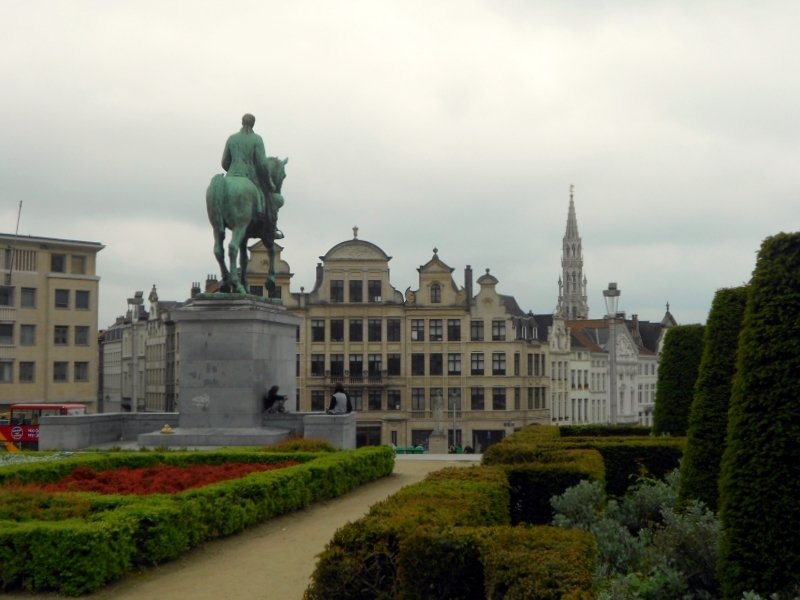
[{"x": 355, "y": 249}]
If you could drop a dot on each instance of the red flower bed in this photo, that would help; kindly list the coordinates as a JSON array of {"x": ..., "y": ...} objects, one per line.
[{"x": 160, "y": 479}]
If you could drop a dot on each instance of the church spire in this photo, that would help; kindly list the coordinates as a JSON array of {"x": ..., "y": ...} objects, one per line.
[{"x": 572, "y": 297}]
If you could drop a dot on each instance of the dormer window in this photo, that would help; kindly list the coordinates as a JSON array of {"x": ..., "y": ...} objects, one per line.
[{"x": 436, "y": 294}]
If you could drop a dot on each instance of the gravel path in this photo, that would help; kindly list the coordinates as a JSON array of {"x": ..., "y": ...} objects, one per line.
[{"x": 271, "y": 561}]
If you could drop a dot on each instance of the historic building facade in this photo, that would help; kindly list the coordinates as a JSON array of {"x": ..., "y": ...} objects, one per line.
[
  {"x": 397, "y": 352},
  {"x": 48, "y": 320}
]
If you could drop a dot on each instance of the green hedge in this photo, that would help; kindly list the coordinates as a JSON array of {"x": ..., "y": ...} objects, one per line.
[
  {"x": 708, "y": 421},
  {"x": 677, "y": 374},
  {"x": 441, "y": 539},
  {"x": 760, "y": 475},
  {"x": 79, "y": 555},
  {"x": 604, "y": 430}
]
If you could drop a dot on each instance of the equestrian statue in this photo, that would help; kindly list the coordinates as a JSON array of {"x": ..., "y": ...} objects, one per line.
[{"x": 246, "y": 201}]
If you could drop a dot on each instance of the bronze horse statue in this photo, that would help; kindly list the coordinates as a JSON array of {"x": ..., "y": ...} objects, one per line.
[{"x": 235, "y": 203}]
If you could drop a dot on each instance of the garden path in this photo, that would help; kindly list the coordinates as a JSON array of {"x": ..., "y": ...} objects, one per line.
[{"x": 271, "y": 561}]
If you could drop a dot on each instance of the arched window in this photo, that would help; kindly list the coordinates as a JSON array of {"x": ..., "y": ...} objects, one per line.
[{"x": 436, "y": 294}]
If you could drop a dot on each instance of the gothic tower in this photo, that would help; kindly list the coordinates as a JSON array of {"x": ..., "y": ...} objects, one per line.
[{"x": 572, "y": 283}]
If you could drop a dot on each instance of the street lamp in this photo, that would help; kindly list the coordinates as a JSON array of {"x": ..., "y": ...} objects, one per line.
[
  {"x": 611, "y": 297},
  {"x": 134, "y": 304}
]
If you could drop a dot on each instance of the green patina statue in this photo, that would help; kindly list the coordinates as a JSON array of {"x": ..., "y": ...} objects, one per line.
[{"x": 246, "y": 201}]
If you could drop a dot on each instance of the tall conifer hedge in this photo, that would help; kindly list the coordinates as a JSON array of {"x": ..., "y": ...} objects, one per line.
[
  {"x": 677, "y": 374},
  {"x": 760, "y": 477},
  {"x": 708, "y": 421}
]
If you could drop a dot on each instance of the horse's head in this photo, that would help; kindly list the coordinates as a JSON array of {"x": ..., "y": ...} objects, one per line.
[{"x": 277, "y": 170}]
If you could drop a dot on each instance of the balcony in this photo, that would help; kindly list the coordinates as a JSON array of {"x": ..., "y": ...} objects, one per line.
[{"x": 8, "y": 313}]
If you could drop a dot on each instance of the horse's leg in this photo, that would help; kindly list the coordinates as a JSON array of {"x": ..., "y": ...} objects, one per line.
[
  {"x": 243, "y": 260},
  {"x": 237, "y": 235},
  {"x": 219, "y": 253},
  {"x": 271, "y": 275}
]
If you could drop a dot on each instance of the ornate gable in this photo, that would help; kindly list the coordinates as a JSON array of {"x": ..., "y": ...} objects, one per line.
[{"x": 356, "y": 250}]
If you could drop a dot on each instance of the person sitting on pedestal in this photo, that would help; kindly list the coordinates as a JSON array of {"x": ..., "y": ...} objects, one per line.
[
  {"x": 273, "y": 402},
  {"x": 340, "y": 401}
]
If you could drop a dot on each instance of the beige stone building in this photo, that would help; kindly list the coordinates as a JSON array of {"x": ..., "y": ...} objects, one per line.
[
  {"x": 396, "y": 352},
  {"x": 48, "y": 320}
]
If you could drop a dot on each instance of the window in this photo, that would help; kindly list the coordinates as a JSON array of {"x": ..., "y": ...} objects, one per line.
[
  {"x": 257, "y": 290},
  {"x": 374, "y": 327},
  {"x": 418, "y": 364},
  {"x": 516, "y": 363},
  {"x": 297, "y": 365},
  {"x": 453, "y": 330},
  {"x": 417, "y": 330},
  {"x": 337, "y": 365},
  {"x": 356, "y": 365},
  {"x": 476, "y": 331},
  {"x": 375, "y": 400},
  {"x": 318, "y": 365},
  {"x": 317, "y": 330},
  {"x": 393, "y": 364},
  {"x": 393, "y": 401},
  {"x": 27, "y": 372},
  {"x": 530, "y": 398},
  {"x": 356, "y": 330},
  {"x": 498, "y": 398},
  {"x": 61, "y": 337},
  {"x": 436, "y": 294},
  {"x": 530, "y": 365},
  {"x": 374, "y": 291},
  {"x": 516, "y": 398},
  {"x": 81, "y": 371},
  {"x": 357, "y": 399},
  {"x": 454, "y": 364},
  {"x": 79, "y": 265},
  {"x": 498, "y": 363},
  {"x": 81, "y": 335},
  {"x": 436, "y": 330},
  {"x": 356, "y": 290},
  {"x": 7, "y": 334},
  {"x": 62, "y": 298},
  {"x": 337, "y": 290},
  {"x": 454, "y": 399},
  {"x": 394, "y": 437},
  {"x": 7, "y": 263},
  {"x": 28, "y": 299},
  {"x": 498, "y": 331},
  {"x": 58, "y": 263},
  {"x": 275, "y": 292},
  {"x": 417, "y": 398},
  {"x": 6, "y": 296},
  {"x": 375, "y": 365},
  {"x": 317, "y": 400},
  {"x": 436, "y": 364},
  {"x": 27, "y": 335},
  {"x": 337, "y": 330},
  {"x": 6, "y": 372},
  {"x": 477, "y": 402},
  {"x": 476, "y": 363},
  {"x": 60, "y": 371},
  {"x": 393, "y": 330}
]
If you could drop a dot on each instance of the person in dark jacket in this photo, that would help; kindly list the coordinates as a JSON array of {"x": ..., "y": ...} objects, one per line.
[{"x": 273, "y": 402}]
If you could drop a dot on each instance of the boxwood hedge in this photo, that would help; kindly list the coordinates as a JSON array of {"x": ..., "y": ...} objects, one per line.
[{"x": 79, "y": 555}]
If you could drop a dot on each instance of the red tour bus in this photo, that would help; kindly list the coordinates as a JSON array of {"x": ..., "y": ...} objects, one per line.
[{"x": 21, "y": 425}]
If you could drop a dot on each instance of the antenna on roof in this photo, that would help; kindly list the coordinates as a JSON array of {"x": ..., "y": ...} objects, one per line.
[{"x": 14, "y": 247}]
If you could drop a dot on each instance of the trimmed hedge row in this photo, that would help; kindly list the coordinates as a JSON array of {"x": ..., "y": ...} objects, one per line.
[
  {"x": 79, "y": 555},
  {"x": 603, "y": 430},
  {"x": 447, "y": 537}
]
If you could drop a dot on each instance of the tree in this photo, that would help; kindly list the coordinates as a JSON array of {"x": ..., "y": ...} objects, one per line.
[
  {"x": 760, "y": 476},
  {"x": 677, "y": 374},
  {"x": 708, "y": 420}
]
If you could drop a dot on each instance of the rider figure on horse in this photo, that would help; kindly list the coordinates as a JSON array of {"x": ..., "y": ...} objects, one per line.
[{"x": 244, "y": 156}]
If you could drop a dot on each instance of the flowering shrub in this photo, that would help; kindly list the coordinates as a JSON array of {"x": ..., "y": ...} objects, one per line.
[{"x": 158, "y": 479}]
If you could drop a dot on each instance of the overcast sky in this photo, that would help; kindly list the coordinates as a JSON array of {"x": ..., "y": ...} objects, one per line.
[{"x": 459, "y": 125}]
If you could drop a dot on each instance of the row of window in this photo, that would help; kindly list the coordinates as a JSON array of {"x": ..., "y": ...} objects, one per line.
[
  {"x": 61, "y": 335},
  {"x": 356, "y": 290},
  {"x": 63, "y": 298},
  {"x": 435, "y": 362},
  {"x": 393, "y": 328},
  {"x": 423, "y": 399},
  {"x": 27, "y": 372},
  {"x": 26, "y": 261}
]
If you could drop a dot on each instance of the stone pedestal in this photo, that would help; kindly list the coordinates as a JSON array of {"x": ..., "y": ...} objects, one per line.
[
  {"x": 232, "y": 349},
  {"x": 339, "y": 430},
  {"x": 437, "y": 443}
]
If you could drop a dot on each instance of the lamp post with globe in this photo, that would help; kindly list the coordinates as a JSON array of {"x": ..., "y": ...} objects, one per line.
[{"x": 611, "y": 297}]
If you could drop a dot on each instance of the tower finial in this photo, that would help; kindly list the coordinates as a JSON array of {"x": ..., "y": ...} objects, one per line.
[
  {"x": 667, "y": 306},
  {"x": 571, "y": 190},
  {"x": 355, "y": 232}
]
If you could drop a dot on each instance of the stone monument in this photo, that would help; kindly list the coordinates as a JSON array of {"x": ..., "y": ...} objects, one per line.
[{"x": 437, "y": 443}]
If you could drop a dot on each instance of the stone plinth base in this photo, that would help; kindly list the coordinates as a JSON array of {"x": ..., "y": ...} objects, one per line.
[
  {"x": 339, "y": 430},
  {"x": 437, "y": 443},
  {"x": 215, "y": 436}
]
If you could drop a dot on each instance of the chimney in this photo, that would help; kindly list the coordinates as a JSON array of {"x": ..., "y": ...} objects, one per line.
[
  {"x": 468, "y": 284},
  {"x": 319, "y": 276},
  {"x": 195, "y": 289},
  {"x": 211, "y": 281}
]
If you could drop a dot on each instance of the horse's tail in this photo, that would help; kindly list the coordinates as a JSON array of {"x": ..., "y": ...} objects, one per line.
[{"x": 215, "y": 197}]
